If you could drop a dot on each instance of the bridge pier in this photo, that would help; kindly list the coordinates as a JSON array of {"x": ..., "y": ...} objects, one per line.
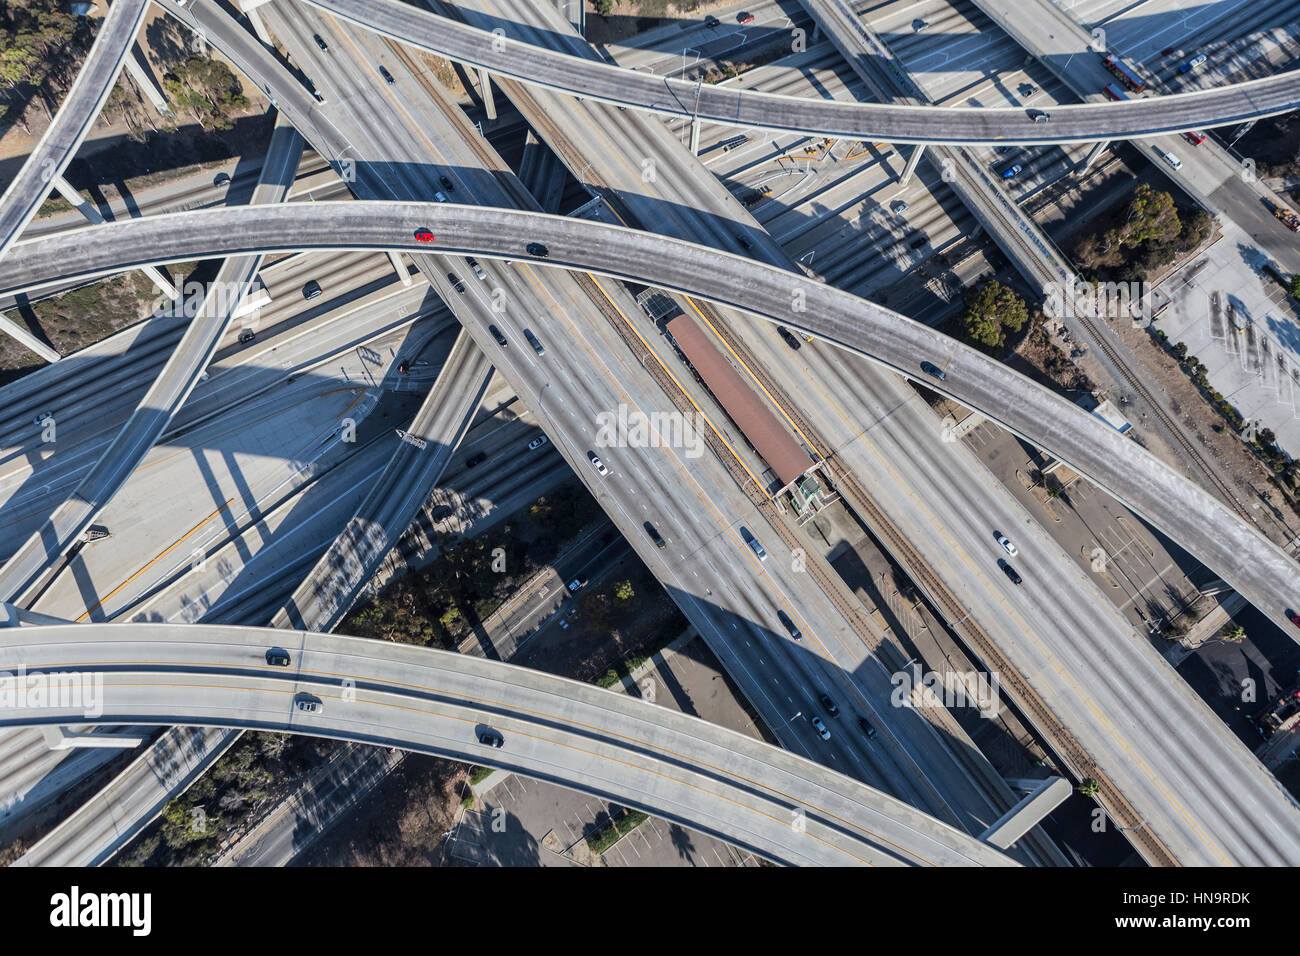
[
  {"x": 485, "y": 90},
  {"x": 1025, "y": 815},
  {"x": 695, "y": 136},
  {"x": 145, "y": 80},
  {"x": 92, "y": 215},
  {"x": 249, "y": 9},
  {"x": 910, "y": 168},
  {"x": 21, "y": 335},
  {"x": 1086, "y": 163},
  {"x": 56, "y": 738},
  {"x": 403, "y": 273}
]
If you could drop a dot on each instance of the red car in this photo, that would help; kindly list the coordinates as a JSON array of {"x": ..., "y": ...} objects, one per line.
[
  {"x": 744, "y": 17},
  {"x": 1293, "y": 617},
  {"x": 423, "y": 235}
]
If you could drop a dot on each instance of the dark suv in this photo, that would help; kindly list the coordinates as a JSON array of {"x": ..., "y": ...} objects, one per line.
[
  {"x": 788, "y": 337},
  {"x": 655, "y": 536},
  {"x": 1010, "y": 572},
  {"x": 538, "y": 250},
  {"x": 789, "y": 625},
  {"x": 496, "y": 334},
  {"x": 831, "y": 707},
  {"x": 277, "y": 657}
]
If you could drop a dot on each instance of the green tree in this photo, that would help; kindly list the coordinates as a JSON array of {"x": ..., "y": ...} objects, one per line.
[
  {"x": 1235, "y": 634},
  {"x": 991, "y": 312},
  {"x": 1294, "y": 287},
  {"x": 1151, "y": 215},
  {"x": 1089, "y": 787},
  {"x": 624, "y": 594},
  {"x": 206, "y": 89}
]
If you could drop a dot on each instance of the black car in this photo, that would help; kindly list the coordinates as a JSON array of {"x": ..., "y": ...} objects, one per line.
[
  {"x": 655, "y": 536},
  {"x": 789, "y": 625},
  {"x": 456, "y": 283},
  {"x": 246, "y": 336},
  {"x": 222, "y": 179},
  {"x": 711, "y": 21},
  {"x": 311, "y": 289},
  {"x": 447, "y": 184},
  {"x": 491, "y": 738},
  {"x": 277, "y": 657},
  {"x": 496, "y": 334},
  {"x": 319, "y": 42},
  {"x": 476, "y": 459},
  {"x": 1010, "y": 572},
  {"x": 538, "y": 250},
  {"x": 831, "y": 707},
  {"x": 388, "y": 77},
  {"x": 866, "y": 727},
  {"x": 788, "y": 337},
  {"x": 929, "y": 368},
  {"x": 442, "y": 512}
]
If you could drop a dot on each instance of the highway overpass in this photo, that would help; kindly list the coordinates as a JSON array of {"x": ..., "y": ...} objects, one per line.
[
  {"x": 76, "y": 115},
  {"x": 1262, "y": 572},
  {"x": 748, "y": 108},
  {"x": 23, "y": 574},
  {"x": 680, "y": 768}
]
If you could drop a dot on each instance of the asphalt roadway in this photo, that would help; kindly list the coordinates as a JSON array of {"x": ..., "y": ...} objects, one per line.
[
  {"x": 748, "y": 108},
  {"x": 686, "y": 770}
]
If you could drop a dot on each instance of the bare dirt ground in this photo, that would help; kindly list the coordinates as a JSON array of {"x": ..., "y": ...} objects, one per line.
[
  {"x": 630, "y": 17},
  {"x": 403, "y": 821}
]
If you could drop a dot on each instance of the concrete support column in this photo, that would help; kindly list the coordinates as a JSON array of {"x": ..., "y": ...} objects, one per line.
[
  {"x": 145, "y": 80},
  {"x": 485, "y": 90},
  {"x": 87, "y": 209},
  {"x": 259, "y": 27},
  {"x": 910, "y": 168},
  {"x": 78, "y": 201},
  {"x": 56, "y": 738},
  {"x": 20, "y": 334},
  {"x": 1086, "y": 163},
  {"x": 695, "y": 136},
  {"x": 403, "y": 273},
  {"x": 1026, "y": 814}
]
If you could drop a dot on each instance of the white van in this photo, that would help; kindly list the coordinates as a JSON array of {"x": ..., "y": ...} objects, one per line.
[{"x": 1173, "y": 161}]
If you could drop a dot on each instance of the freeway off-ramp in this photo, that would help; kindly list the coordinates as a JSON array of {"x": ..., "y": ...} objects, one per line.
[
  {"x": 75, "y": 117},
  {"x": 1259, "y": 570},
  {"x": 680, "y": 768},
  {"x": 881, "y": 121}
]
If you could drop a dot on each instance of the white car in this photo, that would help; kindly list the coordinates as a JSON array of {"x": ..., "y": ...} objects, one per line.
[
  {"x": 597, "y": 463},
  {"x": 1007, "y": 546},
  {"x": 818, "y": 726},
  {"x": 537, "y": 442}
]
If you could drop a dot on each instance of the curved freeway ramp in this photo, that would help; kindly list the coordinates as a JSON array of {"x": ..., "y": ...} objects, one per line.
[
  {"x": 1264, "y": 574},
  {"x": 73, "y": 121},
  {"x": 497, "y": 53},
  {"x": 705, "y": 777}
]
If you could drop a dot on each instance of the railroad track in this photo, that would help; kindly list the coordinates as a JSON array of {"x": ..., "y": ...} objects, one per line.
[
  {"x": 1032, "y": 707},
  {"x": 1134, "y": 382},
  {"x": 1040, "y": 716}
]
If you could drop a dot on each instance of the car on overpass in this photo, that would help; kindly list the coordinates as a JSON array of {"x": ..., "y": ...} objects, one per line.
[
  {"x": 820, "y": 727},
  {"x": 538, "y": 250},
  {"x": 597, "y": 463},
  {"x": 456, "y": 283},
  {"x": 424, "y": 235}
]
